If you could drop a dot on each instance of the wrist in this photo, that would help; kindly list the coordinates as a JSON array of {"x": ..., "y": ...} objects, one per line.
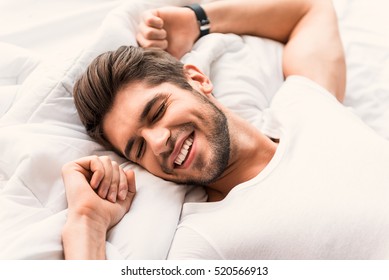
[
  {"x": 83, "y": 238},
  {"x": 202, "y": 21},
  {"x": 88, "y": 215}
]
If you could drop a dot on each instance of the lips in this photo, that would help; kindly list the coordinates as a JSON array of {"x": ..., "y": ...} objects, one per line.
[{"x": 184, "y": 151}]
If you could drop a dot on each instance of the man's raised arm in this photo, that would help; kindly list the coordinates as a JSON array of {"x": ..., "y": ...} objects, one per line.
[{"x": 308, "y": 28}]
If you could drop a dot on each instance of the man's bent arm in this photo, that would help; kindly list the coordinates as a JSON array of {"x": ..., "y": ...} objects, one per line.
[{"x": 308, "y": 28}]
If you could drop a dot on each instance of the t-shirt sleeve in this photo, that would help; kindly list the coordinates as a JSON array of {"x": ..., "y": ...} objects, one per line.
[
  {"x": 297, "y": 85},
  {"x": 300, "y": 94},
  {"x": 190, "y": 245},
  {"x": 300, "y": 101}
]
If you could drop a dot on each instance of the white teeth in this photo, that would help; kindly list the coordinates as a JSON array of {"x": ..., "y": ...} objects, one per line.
[{"x": 184, "y": 151}]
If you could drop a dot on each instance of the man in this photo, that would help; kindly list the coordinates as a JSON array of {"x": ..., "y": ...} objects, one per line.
[{"x": 278, "y": 194}]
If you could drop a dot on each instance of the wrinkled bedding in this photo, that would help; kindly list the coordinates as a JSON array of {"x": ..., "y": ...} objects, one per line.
[{"x": 40, "y": 129}]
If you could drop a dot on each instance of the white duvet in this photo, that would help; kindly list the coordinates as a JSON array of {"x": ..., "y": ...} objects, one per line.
[{"x": 40, "y": 130}]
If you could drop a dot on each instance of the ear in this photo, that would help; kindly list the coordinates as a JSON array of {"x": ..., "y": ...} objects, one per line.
[{"x": 197, "y": 79}]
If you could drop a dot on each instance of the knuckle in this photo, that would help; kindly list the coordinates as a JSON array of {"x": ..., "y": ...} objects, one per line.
[
  {"x": 147, "y": 44},
  {"x": 148, "y": 33},
  {"x": 104, "y": 158},
  {"x": 66, "y": 167},
  {"x": 148, "y": 19},
  {"x": 163, "y": 33},
  {"x": 114, "y": 181},
  {"x": 102, "y": 194},
  {"x": 94, "y": 157},
  {"x": 99, "y": 173}
]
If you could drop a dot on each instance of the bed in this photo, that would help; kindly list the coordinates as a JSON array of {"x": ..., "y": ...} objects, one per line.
[{"x": 42, "y": 52}]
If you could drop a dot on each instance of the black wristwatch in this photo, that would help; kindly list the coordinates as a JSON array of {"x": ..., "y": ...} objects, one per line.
[{"x": 202, "y": 19}]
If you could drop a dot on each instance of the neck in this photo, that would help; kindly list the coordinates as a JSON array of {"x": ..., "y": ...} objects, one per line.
[{"x": 251, "y": 151}]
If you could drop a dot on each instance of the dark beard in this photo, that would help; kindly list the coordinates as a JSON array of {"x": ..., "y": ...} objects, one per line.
[
  {"x": 219, "y": 143},
  {"x": 219, "y": 140}
]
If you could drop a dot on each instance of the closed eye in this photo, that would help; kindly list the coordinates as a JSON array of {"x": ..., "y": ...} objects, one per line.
[
  {"x": 160, "y": 111},
  {"x": 155, "y": 117},
  {"x": 141, "y": 149}
]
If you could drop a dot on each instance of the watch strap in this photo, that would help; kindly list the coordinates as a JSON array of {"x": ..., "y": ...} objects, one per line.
[{"x": 202, "y": 19}]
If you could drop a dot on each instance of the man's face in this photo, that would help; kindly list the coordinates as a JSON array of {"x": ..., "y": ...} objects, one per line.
[{"x": 175, "y": 134}]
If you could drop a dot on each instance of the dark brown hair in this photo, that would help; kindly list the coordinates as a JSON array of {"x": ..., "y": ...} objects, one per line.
[{"x": 95, "y": 91}]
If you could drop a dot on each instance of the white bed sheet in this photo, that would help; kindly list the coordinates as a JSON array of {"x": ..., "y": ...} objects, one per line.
[{"x": 40, "y": 130}]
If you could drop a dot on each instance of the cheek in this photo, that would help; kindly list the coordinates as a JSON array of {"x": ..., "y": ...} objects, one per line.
[
  {"x": 203, "y": 144},
  {"x": 151, "y": 163}
]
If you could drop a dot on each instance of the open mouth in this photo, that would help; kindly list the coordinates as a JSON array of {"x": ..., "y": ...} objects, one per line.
[{"x": 184, "y": 152}]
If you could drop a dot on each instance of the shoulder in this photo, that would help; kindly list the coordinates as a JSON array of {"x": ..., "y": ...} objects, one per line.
[
  {"x": 300, "y": 99},
  {"x": 299, "y": 90}
]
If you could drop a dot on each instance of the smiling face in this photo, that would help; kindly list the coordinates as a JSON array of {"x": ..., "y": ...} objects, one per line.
[{"x": 175, "y": 134}]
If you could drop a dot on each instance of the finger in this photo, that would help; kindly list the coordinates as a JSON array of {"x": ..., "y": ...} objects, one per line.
[
  {"x": 152, "y": 33},
  {"x": 97, "y": 168},
  {"x": 130, "y": 176},
  {"x": 106, "y": 181},
  {"x": 113, "y": 188},
  {"x": 145, "y": 43},
  {"x": 151, "y": 18},
  {"x": 126, "y": 204},
  {"x": 123, "y": 188},
  {"x": 82, "y": 165}
]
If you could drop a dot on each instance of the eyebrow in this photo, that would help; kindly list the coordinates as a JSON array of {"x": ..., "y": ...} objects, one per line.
[
  {"x": 150, "y": 104},
  {"x": 146, "y": 110}
]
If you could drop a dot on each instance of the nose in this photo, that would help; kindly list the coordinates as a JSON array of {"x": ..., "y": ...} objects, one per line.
[{"x": 157, "y": 139}]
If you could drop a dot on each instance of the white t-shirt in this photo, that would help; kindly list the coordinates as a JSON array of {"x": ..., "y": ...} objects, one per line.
[{"x": 324, "y": 194}]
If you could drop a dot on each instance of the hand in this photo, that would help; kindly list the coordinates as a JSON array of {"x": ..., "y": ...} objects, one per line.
[
  {"x": 89, "y": 180},
  {"x": 105, "y": 177},
  {"x": 173, "y": 29}
]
